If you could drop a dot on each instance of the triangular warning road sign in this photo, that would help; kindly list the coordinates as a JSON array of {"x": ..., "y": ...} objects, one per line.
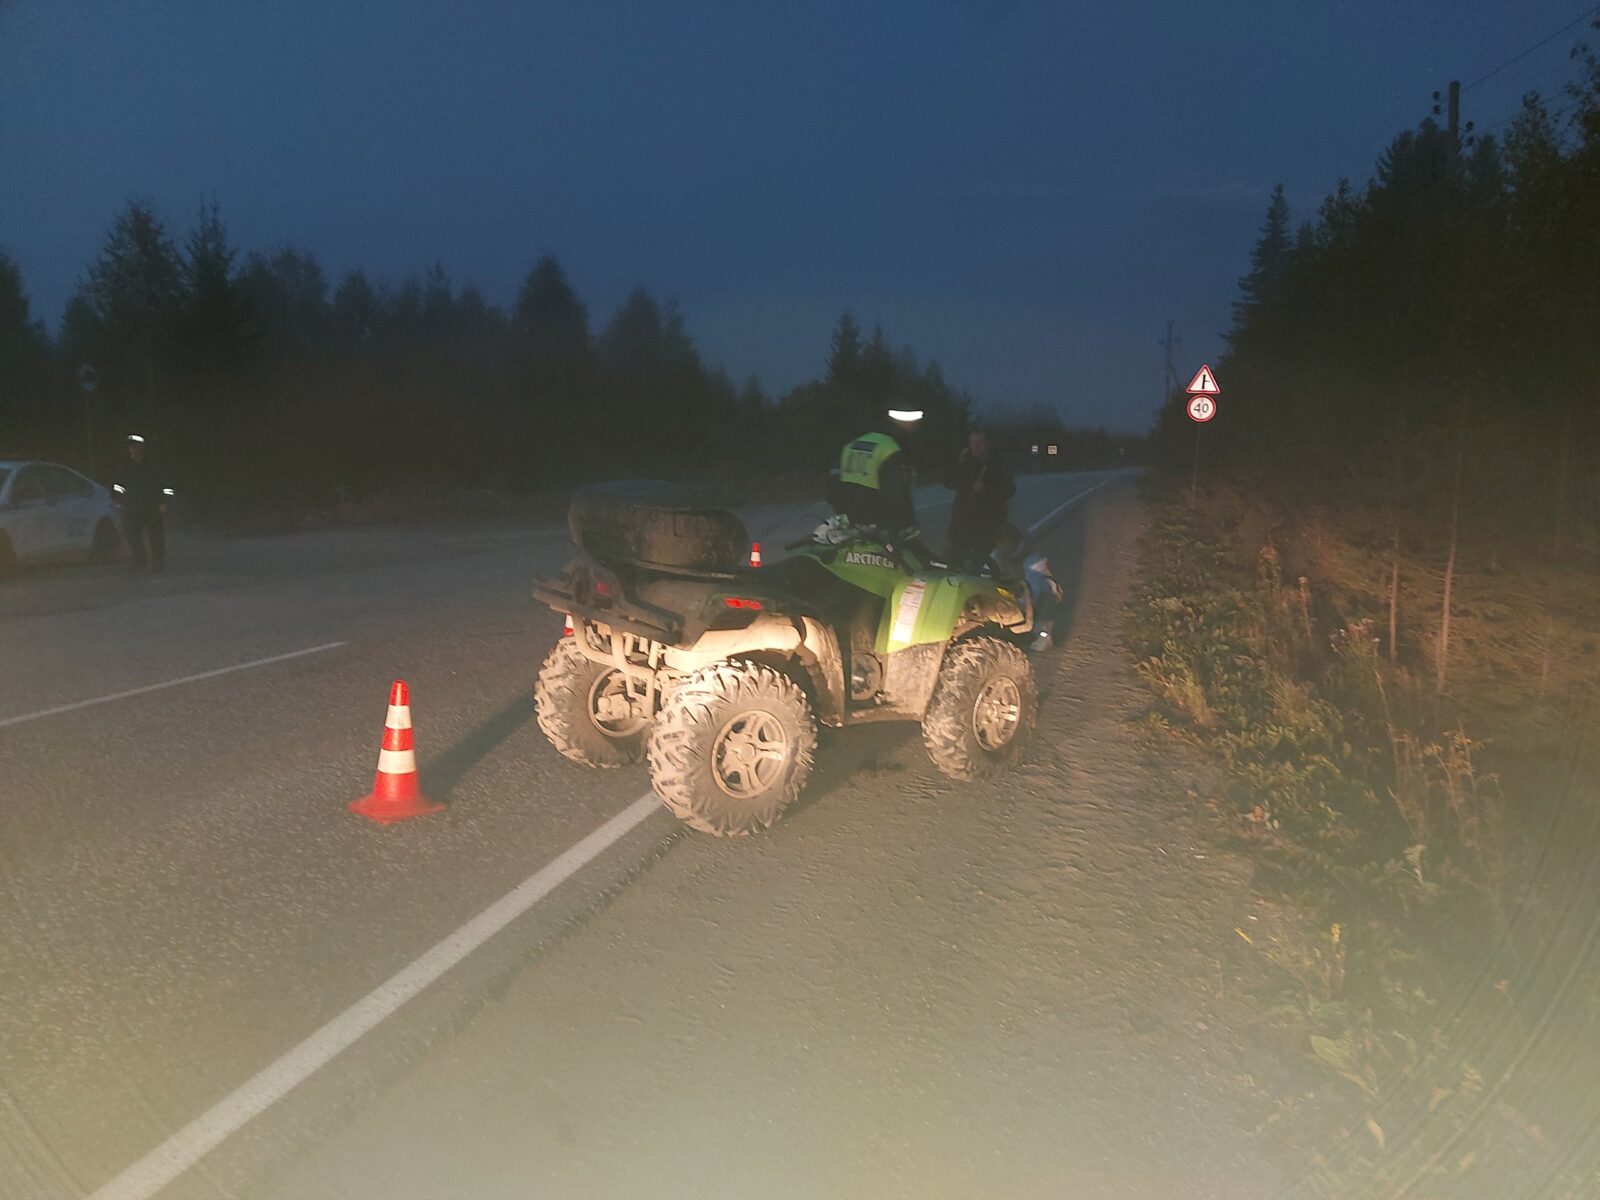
[{"x": 1203, "y": 383}]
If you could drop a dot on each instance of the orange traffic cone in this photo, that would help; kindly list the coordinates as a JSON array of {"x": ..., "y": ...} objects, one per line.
[
  {"x": 755, "y": 554},
  {"x": 395, "y": 792}
]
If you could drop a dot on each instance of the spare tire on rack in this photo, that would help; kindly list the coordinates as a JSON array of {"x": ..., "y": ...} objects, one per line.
[{"x": 661, "y": 526}]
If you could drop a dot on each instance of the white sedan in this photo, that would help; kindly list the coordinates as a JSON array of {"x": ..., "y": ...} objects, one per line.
[{"x": 50, "y": 512}]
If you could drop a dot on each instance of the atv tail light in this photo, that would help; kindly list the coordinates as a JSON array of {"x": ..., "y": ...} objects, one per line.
[
  {"x": 742, "y": 602},
  {"x": 566, "y": 630}
]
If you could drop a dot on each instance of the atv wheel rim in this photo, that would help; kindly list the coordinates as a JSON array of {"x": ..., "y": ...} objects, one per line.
[
  {"x": 997, "y": 713},
  {"x": 612, "y": 709},
  {"x": 750, "y": 754}
]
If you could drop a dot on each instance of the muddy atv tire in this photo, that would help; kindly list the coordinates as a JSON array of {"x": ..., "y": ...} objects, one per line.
[
  {"x": 578, "y": 702},
  {"x": 983, "y": 711},
  {"x": 732, "y": 747}
]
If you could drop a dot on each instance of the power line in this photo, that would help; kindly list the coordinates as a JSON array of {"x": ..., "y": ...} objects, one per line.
[
  {"x": 1541, "y": 42},
  {"x": 1552, "y": 117}
]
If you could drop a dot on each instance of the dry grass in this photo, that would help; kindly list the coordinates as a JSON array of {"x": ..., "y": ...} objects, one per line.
[
  {"x": 1375, "y": 804},
  {"x": 1524, "y": 663}
]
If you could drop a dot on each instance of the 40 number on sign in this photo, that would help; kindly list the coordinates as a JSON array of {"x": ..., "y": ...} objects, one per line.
[{"x": 1202, "y": 408}]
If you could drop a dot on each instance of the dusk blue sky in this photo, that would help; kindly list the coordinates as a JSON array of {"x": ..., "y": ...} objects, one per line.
[{"x": 1024, "y": 191}]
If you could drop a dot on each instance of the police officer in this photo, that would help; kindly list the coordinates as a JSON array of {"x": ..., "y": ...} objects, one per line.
[
  {"x": 876, "y": 482},
  {"x": 142, "y": 494}
]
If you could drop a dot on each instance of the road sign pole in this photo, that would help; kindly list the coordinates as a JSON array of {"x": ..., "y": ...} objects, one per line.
[
  {"x": 88, "y": 380},
  {"x": 1202, "y": 407},
  {"x": 1194, "y": 482}
]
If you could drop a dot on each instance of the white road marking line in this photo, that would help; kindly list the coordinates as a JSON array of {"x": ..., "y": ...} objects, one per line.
[
  {"x": 202, "y": 1135},
  {"x": 1042, "y": 522},
  {"x": 156, "y": 687}
]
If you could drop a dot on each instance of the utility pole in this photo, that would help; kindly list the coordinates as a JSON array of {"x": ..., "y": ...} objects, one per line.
[
  {"x": 1451, "y": 112},
  {"x": 1169, "y": 382}
]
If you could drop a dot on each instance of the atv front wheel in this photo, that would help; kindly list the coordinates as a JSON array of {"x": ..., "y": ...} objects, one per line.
[
  {"x": 983, "y": 709},
  {"x": 585, "y": 710},
  {"x": 732, "y": 747}
]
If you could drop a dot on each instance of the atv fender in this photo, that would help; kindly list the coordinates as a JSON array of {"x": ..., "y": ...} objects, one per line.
[{"x": 800, "y": 639}]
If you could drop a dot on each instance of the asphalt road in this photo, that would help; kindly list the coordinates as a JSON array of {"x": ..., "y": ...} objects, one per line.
[{"x": 185, "y": 897}]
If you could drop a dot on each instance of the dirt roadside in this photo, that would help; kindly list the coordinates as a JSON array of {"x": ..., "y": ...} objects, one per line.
[{"x": 1036, "y": 987}]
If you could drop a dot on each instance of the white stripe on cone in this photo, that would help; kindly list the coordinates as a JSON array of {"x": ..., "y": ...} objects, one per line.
[
  {"x": 399, "y": 716},
  {"x": 397, "y": 762}
]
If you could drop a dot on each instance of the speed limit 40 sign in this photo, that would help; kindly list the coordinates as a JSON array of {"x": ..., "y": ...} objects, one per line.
[{"x": 1202, "y": 408}]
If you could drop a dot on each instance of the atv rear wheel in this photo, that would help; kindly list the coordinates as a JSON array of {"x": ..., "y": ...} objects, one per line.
[
  {"x": 584, "y": 709},
  {"x": 732, "y": 747},
  {"x": 983, "y": 710}
]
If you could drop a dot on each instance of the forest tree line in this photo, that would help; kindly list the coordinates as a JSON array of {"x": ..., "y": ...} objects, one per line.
[
  {"x": 1428, "y": 346},
  {"x": 265, "y": 384}
]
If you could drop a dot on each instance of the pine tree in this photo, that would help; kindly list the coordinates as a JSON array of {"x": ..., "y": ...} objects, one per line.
[
  {"x": 24, "y": 351},
  {"x": 550, "y": 319},
  {"x": 214, "y": 325},
  {"x": 634, "y": 342},
  {"x": 287, "y": 299},
  {"x": 134, "y": 294},
  {"x": 1269, "y": 262},
  {"x": 438, "y": 299},
  {"x": 21, "y": 337},
  {"x": 752, "y": 399},
  {"x": 356, "y": 309},
  {"x": 844, "y": 358},
  {"x": 877, "y": 371}
]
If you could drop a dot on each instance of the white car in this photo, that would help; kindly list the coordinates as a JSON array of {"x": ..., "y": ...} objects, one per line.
[{"x": 50, "y": 512}]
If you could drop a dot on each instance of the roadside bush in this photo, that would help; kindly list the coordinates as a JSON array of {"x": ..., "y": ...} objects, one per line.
[{"x": 1380, "y": 828}]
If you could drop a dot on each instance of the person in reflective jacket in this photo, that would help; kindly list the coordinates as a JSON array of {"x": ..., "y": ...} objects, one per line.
[
  {"x": 875, "y": 484},
  {"x": 142, "y": 495}
]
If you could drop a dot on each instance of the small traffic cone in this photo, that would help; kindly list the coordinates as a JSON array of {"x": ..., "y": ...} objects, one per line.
[
  {"x": 755, "y": 554},
  {"x": 395, "y": 793}
]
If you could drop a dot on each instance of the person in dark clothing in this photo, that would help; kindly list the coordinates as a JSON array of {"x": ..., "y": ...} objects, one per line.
[
  {"x": 142, "y": 495},
  {"x": 983, "y": 488}
]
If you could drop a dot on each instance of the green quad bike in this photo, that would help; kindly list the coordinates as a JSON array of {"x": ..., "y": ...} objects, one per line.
[{"x": 718, "y": 673}]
